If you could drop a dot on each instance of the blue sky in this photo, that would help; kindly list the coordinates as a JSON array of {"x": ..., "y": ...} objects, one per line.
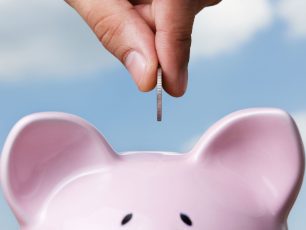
[{"x": 261, "y": 65}]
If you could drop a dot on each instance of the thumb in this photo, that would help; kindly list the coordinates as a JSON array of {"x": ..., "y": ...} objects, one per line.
[
  {"x": 174, "y": 20},
  {"x": 125, "y": 34}
]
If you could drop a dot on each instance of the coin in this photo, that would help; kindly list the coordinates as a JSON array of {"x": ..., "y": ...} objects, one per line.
[{"x": 159, "y": 93}]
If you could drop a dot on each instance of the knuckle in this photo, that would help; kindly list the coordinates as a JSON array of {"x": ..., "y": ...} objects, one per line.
[
  {"x": 178, "y": 36},
  {"x": 183, "y": 38},
  {"x": 107, "y": 30},
  {"x": 106, "y": 26},
  {"x": 110, "y": 29}
]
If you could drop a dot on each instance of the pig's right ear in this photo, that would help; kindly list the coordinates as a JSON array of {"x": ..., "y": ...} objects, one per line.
[{"x": 43, "y": 151}]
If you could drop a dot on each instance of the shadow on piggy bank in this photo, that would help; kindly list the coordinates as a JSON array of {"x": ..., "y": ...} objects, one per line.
[{"x": 59, "y": 173}]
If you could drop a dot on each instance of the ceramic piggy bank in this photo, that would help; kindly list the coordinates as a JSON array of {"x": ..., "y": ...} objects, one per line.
[{"x": 59, "y": 173}]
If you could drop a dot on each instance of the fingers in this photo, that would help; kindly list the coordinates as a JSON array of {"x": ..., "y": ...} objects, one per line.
[
  {"x": 125, "y": 34},
  {"x": 174, "y": 21}
]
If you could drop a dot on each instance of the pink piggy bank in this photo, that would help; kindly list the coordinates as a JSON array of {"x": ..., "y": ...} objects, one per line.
[{"x": 59, "y": 173}]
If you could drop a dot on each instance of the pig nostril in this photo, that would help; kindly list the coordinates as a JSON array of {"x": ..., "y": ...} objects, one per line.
[
  {"x": 186, "y": 219},
  {"x": 126, "y": 219}
]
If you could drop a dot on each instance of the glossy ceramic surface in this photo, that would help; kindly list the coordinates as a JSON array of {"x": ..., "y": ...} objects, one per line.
[{"x": 59, "y": 173}]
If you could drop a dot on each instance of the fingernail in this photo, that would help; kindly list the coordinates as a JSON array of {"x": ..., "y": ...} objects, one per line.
[{"x": 136, "y": 65}]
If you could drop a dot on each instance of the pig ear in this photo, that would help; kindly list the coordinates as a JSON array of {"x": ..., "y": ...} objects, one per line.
[
  {"x": 263, "y": 146},
  {"x": 42, "y": 152}
]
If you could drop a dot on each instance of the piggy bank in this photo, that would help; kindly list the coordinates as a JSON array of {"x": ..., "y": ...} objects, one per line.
[{"x": 59, "y": 173}]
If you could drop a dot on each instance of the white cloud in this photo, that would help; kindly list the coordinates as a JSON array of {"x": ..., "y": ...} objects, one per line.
[
  {"x": 46, "y": 39},
  {"x": 293, "y": 12},
  {"x": 300, "y": 119},
  {"x": 229, "y": 25}
]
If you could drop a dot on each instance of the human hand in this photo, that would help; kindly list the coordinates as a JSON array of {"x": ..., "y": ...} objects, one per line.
[{"x": 145, "y": 33}]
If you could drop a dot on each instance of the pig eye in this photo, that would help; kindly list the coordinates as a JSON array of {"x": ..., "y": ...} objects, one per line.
[
  {"x": 186, "y": 219},
  {"x": 126, "y": 219}
]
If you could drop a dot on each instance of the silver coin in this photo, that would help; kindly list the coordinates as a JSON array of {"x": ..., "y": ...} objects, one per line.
[{"x": 159, "y": 89}]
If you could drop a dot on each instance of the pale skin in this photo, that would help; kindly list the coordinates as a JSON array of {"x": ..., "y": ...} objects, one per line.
[{"x": 143, "y": 34}]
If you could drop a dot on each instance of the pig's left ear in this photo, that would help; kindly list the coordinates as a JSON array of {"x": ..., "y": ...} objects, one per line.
[
  {"x": 262, "y": 146},
  {"x": 42, "y": 152}
]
